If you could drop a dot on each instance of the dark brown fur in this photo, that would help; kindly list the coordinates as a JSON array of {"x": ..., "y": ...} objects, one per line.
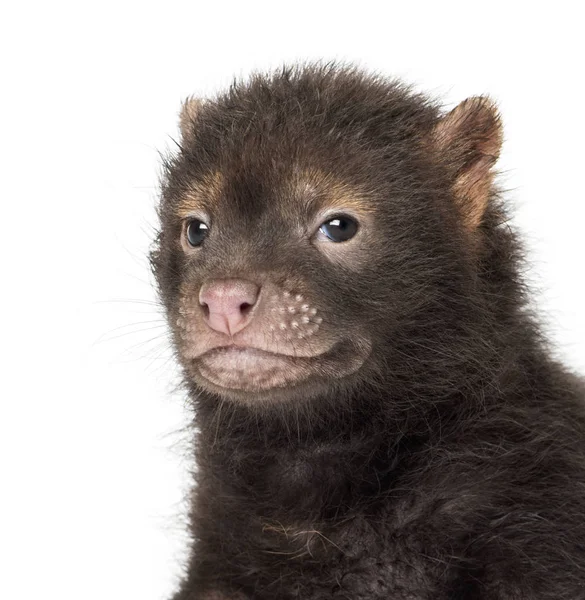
[{"x": 451, "y": 464}]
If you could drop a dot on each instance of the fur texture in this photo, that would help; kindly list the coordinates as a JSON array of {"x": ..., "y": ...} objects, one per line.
[{"x": 439, "y": 453}]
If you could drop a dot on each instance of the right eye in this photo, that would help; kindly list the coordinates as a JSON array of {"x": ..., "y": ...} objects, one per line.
[
  {"x": 196, "y": 232},
  {"x": 339, "y": 229}
]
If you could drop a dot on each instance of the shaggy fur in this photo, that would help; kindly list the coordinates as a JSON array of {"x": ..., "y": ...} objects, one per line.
[{"x": 451, "y": 463}]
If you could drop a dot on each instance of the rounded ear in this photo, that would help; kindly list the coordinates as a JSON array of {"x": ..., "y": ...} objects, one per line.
[
  {"x": 468, "y": 140},
  {"x": 188, "y": 117}
]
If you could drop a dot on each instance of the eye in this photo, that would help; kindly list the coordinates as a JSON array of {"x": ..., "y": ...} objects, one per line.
[
  {"x": 339, "y": 229},
  {"x": 196, "y": 232}
]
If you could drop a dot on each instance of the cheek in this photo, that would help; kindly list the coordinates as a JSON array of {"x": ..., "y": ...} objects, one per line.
[
  {"x": 351, "y": 262},
  {"x": 291, "y": 315}
]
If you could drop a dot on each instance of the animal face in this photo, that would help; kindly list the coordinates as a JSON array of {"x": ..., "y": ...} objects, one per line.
[
  {"x": 270, "y": 297},
  {"x": 301, "y": 234}
]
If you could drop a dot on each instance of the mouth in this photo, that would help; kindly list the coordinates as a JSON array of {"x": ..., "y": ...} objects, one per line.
[
  {"x": 252, "y": 369},
  {"x": 249, "y": 374}
]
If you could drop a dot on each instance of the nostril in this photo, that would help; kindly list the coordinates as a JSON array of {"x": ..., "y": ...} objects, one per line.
[
  {"x": 245, "y": 308},
  {"x": 205, "y": 309}
]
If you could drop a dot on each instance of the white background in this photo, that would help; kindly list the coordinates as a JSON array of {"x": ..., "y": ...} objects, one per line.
[{"x": 93, "y": 462}]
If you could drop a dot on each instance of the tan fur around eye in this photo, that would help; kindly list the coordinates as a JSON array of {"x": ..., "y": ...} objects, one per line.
[
  {"x": 336, "y": 193},
  {"x": 202, "y": 193}
]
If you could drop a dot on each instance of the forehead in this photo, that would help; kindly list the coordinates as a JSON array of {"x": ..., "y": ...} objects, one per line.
[{"x": 306, "y": 189}]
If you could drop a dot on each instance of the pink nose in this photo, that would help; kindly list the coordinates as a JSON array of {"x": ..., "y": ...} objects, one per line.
[{"x": 227, "y": 304}]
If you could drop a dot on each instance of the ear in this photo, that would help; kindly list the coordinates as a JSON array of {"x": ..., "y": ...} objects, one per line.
[
  {"x": 188, "y": 117},
  {"x": 468, "y": 140}
]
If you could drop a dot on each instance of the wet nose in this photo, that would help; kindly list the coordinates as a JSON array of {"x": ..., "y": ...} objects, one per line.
[{"x": 227, "y": 304}]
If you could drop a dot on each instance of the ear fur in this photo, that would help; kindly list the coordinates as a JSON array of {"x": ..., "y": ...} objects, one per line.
[
  {"x": 188, "y": 117},
  {"x": 468, "y": 140}
]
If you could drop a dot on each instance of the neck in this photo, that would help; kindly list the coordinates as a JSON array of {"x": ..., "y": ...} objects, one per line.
[{"x": 305, "y": 465}]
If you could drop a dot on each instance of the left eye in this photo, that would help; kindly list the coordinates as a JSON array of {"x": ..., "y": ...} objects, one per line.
[
  {"x": 339, "y": 229},
  {"x": 196, "y": 232}
]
